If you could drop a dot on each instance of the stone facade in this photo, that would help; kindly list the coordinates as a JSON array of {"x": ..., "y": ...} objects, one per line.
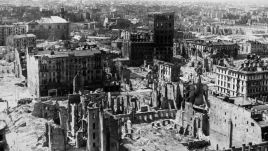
[
  {"x": 167, "y": 71},
  {"x": 234, "y": 123},
  {"x": 53, "y": 73},
  {"x": 250, "y": 79},
  {"x": 21, "y": 42},
  {"x": 7, "y": 30}
]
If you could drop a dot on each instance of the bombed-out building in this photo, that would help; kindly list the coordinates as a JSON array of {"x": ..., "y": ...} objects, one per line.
[
  {"x": 193, "y": 115},
  {"x": 56, "y": 73},
  {"x": 20, "y": 43},
  {"x": 155, "y": 43},
  {"x": 236, "y": 121},
  {"x": 14, "y": 29},
  {"x": 99, "y": 121}
]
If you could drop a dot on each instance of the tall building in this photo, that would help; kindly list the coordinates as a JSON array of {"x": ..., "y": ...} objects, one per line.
[
  {"x": 95, "y": 130},
  {"x": 59, "y": 73},
  {"x": 248, "y": 79},
  {"x": 156, "y": 44}
]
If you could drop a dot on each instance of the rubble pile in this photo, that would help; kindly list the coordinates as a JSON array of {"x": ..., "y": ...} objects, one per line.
[
  {"x": 138, "y": 84},
  {"x": 26, "y": 132},
  {"x": 147, "y": 138}
]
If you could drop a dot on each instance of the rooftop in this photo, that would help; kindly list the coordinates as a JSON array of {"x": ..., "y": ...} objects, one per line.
[
  {"x": 66, "y": 53},
  {"x": 24, "y": 35},
  {"x": 51, "y": 20},
  {"x": 159, "y": 13},
  {"x": 213, "y": 43}
]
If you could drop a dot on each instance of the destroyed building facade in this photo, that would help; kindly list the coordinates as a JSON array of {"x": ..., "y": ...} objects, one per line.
[
  {"x": 235, "y": 121},
  {"x": 7, "y": 30},
  {"x": 155, "y": 43},
  {"x": 62, "y": 72}
]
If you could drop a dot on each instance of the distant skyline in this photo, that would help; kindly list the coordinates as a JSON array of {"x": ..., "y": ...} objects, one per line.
[{"x": 235, "y": 2}]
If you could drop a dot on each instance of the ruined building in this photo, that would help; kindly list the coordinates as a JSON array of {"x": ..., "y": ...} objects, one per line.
[
  {"x": 234, "y": 122},
  {"x": 20, "y": 43},
  {"x": 166, "y": 92},
  {"x": 209, "y": 51},
  {"x": 193, "y": 115},
  {"x": 156, "y": 43},
  {"x": 7, "y": 30},
  {"x": 97, "y": 121},
  {"x": 57, "y": 73},
  {"x": 168, "y": 72}
]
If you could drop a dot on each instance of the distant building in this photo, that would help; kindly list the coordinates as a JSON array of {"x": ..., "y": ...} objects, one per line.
[
  {"x": 184, "y": 35},
  {"x": 21, "y": 41},
  {"x": 52, "y": 28},
  {"x": 224, "y": 48},
  {"x": 7, "y": 30},
  {"x": 167, "y": 71},
  {"x": 146, "y": 45},
  {"x": 249, "y": 79},
  {"x": 163, "y": 34},
  {"x": 255, "y": 47},
  {"x": 62, "y": 72}
]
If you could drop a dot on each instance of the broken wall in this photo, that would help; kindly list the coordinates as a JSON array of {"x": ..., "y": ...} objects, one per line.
[
  {"x": 47, "y": 111},
  {"x": 63, "y": 115},
  {"x": 56, "y": 138},
  {"x": 144, "y": 117}
]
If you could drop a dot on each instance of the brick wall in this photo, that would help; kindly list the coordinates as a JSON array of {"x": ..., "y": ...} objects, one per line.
[{"x": 245, "y": 129}]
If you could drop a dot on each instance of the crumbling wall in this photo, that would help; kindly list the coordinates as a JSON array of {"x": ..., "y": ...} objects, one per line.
[
  {"x": 56, "y": 138},
  {"x": 167, "y": 95},
  {"x": 43, "y": 110},
  {"x": 255, "y": 147},
  {"x": 148, "y": 116},
  {"x": 244, "y": 128},
  {"x": 193, "y": 122},
  {"x": 63, "y": 115}
]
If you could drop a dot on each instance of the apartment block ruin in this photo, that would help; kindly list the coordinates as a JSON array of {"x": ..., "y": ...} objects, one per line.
[
  {"x": 14, "y": 29},
  {"x": 19, "y": 44},
  {"x": 57, "y": 73}
]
